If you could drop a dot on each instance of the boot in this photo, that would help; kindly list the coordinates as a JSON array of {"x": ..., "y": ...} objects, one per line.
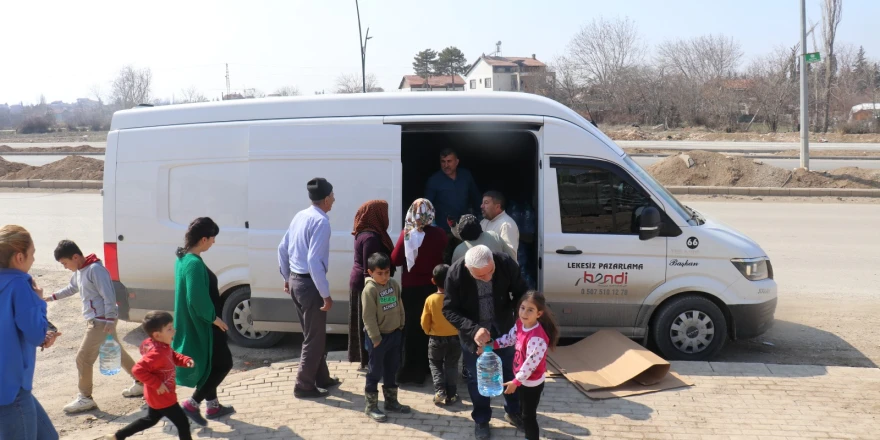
[
  {"x": 372, "y": 410},
  {"x": 391, "y": 402}
]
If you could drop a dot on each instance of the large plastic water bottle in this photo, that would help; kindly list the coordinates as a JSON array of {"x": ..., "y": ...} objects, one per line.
[
  {"x": 489, "y": 377},
  {"x": 110, "y": 357}
]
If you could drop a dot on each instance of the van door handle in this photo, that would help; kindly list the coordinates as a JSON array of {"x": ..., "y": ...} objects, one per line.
[{"x": 569, "y": 250}]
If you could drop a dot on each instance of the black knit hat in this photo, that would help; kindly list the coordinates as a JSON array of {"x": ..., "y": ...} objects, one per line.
[
  {"x": 469, "y": 228},
  {"x": 319, "y": 188}
]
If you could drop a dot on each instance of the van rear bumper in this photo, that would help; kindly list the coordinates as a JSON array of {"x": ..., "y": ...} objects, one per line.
[{"x": 751, "y": 320}]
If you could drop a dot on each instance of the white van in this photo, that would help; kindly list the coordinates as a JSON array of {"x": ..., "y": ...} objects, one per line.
[{"x": 610, "y": 247}]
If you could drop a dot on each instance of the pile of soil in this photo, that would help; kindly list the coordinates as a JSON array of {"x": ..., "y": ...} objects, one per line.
[
  {"x": 79, "y": 149},
  {"x": 69, "y": 168},
  {"x": 7, "y": 167},
  {"x": 714, "y": 169}
]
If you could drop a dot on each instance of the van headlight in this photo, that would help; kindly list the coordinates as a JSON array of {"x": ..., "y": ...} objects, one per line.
[{"x": 754, "y": 269}]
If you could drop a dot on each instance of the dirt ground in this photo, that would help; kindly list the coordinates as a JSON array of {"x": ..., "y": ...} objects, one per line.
[
  {"x": 55, "y": 381},
  {"x": 781, "y": 154},
  {"x": 91, "y": 136},
  {"x": 703, "y": 134},
  {"x": 716, "y": 169},
  {"x": 69, "y": 168},
  {"x": 79, "y": 149}
]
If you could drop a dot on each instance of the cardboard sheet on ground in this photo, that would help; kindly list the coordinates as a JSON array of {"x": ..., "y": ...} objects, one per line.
[{"x": 608, "y": 364}]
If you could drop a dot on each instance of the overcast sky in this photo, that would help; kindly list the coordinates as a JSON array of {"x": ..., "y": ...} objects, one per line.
[{"x": 62, "y": 48}]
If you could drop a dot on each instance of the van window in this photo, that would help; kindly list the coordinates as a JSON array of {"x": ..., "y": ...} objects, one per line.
[{"x": 593, "y": 200}]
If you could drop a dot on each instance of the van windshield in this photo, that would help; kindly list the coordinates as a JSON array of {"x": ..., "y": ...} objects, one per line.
[{"x": 668, "y": 199}]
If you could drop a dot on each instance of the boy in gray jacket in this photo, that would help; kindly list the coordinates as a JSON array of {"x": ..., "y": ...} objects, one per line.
[
  {"x": 92, "y": 281},
  {"x": 383, "y": 325}
]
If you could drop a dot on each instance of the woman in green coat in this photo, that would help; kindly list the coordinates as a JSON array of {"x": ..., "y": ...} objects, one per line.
[{"x": 200, "y": 333}]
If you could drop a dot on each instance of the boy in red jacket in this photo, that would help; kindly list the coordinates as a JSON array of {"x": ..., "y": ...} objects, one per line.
[{"x": 156, "y": 371}]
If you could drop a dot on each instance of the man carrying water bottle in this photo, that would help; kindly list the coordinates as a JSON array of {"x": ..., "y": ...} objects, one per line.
[{"x": 482, "y": 292}]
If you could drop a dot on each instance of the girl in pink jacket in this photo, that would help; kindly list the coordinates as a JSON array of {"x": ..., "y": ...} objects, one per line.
[{"x": 534, "y": 333}]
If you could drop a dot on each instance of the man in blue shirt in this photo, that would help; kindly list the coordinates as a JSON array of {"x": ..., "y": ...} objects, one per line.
[
  {"x": 452, "y": 190},
  {"x": 303, "y": 258}
]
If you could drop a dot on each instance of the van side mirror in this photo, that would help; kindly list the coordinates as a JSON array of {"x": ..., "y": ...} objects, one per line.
[{"x": 649, "y": 223}]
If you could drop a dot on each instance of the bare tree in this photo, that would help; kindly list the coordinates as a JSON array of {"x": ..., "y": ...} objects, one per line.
[
  {"x": 774, "y": 90},
  {"x": 832, "y": 13},
  {"x": 702, "y": 58},
  {"x": 191, "y": 95},
  {"x": 97, "y": 92},
  {"x": 287, "y": 91},
  {"x": 603, "y": 48},
  {"x": 132, "y": 86},
  {"x": 351, "y": 83}
]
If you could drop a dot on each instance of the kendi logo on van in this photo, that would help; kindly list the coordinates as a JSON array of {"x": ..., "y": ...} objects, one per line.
[{"x": 620, "y": 279}]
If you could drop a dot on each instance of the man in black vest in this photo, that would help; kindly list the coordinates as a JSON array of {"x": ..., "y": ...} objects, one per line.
[{"x": 482, "y": 292}]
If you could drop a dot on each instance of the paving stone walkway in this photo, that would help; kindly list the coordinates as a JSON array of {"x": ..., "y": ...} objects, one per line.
[{"x": 728, "y": 401}]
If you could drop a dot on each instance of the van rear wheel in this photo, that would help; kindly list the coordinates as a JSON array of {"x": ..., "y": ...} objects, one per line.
[
  {"x": 237, "y": 315},
  {"x": 689, "y": 328}
]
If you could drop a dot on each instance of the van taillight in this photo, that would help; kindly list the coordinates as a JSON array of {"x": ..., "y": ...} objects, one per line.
[{"x": 111, "y": 260}]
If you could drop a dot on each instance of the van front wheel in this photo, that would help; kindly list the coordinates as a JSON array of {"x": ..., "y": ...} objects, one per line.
[
  {"x": 237, "y": 315},
  {"x": 689, "y": 328}
]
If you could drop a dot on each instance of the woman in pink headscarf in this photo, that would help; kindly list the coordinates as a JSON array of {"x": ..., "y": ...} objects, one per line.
[{"x": 419, "y": 249}]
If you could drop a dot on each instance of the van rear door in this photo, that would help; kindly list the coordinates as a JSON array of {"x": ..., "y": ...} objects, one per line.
[{"x": 360, "y": 157}]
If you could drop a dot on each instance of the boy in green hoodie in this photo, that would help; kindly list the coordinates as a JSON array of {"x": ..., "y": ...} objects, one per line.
[{"x": 383, "y": 324}]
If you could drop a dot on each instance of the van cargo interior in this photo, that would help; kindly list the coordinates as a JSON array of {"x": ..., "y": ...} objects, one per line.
[{"x": 504, "y": 160}]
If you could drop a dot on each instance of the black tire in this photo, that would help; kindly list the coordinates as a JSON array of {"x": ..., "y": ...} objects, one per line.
[
  {"x": 694, "y": 343},
  {"x": 237, "y": 303}
]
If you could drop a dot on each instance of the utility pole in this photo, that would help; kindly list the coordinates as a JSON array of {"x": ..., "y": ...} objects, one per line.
[
  {"x": 363, "y": 43},
  {"x": 228, "y": 89},
  {"x": 805, "y": 111}
]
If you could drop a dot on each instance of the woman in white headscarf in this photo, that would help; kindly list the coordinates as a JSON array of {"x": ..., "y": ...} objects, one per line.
[{"x": 419, "y": 249}]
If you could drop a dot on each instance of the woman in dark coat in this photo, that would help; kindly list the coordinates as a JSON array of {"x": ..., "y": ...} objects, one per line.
[
  {"x": 419, "y": 249},
  {"x": 370, "y": 236}
]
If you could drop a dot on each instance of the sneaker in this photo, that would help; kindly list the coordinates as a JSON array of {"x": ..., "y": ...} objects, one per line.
[
  {"x": 194, "y": 413},
  {"x": 80, "y": 404},
  {"x": 220, "y": 411},
  {"x": 452, "y": 399},
  {"x": 515, "y": 420},
  {"x": 310, "y": 394},
  {"x": 481, "y": 431},
  {"x": 440, "y": 398},
  {"x": 136, "y": 390}
]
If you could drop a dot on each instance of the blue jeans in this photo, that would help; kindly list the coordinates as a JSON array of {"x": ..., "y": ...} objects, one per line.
[
  {"x": 384, "y": 361},
  {"x": 482, "y": 412},
  {"x": 25, "y": 419}
]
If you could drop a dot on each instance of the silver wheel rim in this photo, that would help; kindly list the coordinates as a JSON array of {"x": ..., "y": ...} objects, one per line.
[
  {"x": 692, "y": 332},
  {"x": 243, "y": 321}
]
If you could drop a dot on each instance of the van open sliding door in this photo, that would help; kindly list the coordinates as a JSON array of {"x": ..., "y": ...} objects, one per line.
[{"x": 360, "y": 157}]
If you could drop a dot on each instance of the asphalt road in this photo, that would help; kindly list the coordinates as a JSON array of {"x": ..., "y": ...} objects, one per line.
[
  {"x": 688, "y": 145},
  {"x": 788, "y": 164},
  {"x": 815, "y": 164},
  {"x": 826, "y": 258},
  {"x": 101, "y": 144}
]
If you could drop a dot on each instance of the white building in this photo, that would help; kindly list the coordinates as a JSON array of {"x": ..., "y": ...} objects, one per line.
[
  {"x": 440, "y": 83},
  {"x": 507, "y": 74}
]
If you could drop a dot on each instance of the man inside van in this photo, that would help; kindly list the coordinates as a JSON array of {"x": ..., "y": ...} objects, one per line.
[
  {"x": 452, "y": 190},
  {"x": 482, "y": 292},
  {"x": 495, "y": 219},
  {"x": 303, "y": 257}
]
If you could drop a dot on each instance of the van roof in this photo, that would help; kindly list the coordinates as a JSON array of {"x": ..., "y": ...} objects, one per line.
[{"x": 349, "y": 105}]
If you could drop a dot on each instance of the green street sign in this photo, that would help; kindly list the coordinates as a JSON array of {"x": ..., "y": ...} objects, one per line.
[{"x": 813, "y": 57}]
